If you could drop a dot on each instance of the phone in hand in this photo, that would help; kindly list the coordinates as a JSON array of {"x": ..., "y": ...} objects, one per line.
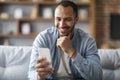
[{"x": 45, "y": 52}]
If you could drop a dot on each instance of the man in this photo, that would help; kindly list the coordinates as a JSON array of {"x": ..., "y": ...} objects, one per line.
[{"x": 74, "y": 52}]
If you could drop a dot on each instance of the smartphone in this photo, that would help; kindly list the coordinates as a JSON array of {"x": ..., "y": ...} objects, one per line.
[{"x": 45, "y": 52}]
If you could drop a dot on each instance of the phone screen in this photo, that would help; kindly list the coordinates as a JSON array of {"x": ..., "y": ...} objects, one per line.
[{"x": 45, "y": 52}]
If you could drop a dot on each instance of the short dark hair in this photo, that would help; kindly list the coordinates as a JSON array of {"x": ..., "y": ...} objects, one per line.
[{"x": 71, "y": 4}]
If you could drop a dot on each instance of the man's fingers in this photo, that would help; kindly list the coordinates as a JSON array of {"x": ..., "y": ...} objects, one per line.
[
  {"x": 44, "y": 73},
  {"x": 58, "y": 43},
  {"x": 43, "y": 64},
  {"x": 40, "y": 59},
  {"x": 48, "y": 70}
]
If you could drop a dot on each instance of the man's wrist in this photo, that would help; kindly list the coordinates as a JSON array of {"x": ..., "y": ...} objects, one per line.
[{"x": 73, "y": 55}]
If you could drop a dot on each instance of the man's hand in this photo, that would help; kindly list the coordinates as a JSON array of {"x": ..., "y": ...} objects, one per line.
[
  {"x": 64, "y": 43},
  {"x": 42, "y": 68}
]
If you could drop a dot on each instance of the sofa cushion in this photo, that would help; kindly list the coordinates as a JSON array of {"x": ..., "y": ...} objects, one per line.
[
  {"x": 110, "y": 60},
  {"x": 14, "y": 62}
]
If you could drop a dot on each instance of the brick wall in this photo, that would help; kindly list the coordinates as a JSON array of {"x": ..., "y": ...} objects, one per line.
[{"x": 103, "y": 10}]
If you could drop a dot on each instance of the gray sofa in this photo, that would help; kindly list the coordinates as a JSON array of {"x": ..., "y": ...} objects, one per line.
[
  {"x": 14, "y": 62},
  {"x": 110, "y": 60}
]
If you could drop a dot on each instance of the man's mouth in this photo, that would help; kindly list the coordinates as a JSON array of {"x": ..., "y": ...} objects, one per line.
[{"x": 64, "y": 30}]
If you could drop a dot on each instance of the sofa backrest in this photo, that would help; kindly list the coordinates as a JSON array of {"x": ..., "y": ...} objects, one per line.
[
  {"x": 14, "y": 62},
  {"x": 110, "y": 60}
]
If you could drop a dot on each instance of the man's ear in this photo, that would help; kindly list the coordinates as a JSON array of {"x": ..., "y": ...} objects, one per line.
[{"x": 76, "y": 19}]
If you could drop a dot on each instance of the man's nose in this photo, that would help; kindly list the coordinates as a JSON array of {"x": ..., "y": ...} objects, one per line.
[{"x": 62, "y": 23}]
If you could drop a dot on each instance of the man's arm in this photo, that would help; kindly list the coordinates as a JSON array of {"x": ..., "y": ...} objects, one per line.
[
  {"x": 36, "y": 67},
  {"x": 32, "y": 74},
  {"x": 89, "y": 66}
]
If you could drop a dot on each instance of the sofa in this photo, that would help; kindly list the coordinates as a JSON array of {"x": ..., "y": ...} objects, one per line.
[
  {"x": 110, "y": 60},
  {"x": 14, "y": 62}
]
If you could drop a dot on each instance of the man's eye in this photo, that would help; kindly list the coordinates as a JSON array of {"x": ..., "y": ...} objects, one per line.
[
  {"x": 68, "y": 19},
  {"x": 58, "y": 19}
]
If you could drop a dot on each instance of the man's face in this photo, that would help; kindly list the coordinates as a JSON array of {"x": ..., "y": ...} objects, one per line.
[{"x": 64, "y": 20}]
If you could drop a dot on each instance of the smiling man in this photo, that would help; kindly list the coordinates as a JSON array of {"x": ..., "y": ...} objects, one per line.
[{"x": 74, "y": 52}]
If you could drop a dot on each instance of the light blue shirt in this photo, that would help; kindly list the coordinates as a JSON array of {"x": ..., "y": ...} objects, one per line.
[{"x": 85, "y": 66}]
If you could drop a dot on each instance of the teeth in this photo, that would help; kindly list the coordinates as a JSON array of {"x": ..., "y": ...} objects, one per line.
[{"x": 63, "y": 29}]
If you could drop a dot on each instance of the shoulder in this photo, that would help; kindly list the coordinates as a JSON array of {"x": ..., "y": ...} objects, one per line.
[
  {"x": 86, "y": 40},
  {"x": 51, "y": 30},
  {"x": 83, "y": 36},
  {"x": 46, "y": 37},
  {"x": 82, "y": 33},
  {"x": 47, "y": 33}
]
